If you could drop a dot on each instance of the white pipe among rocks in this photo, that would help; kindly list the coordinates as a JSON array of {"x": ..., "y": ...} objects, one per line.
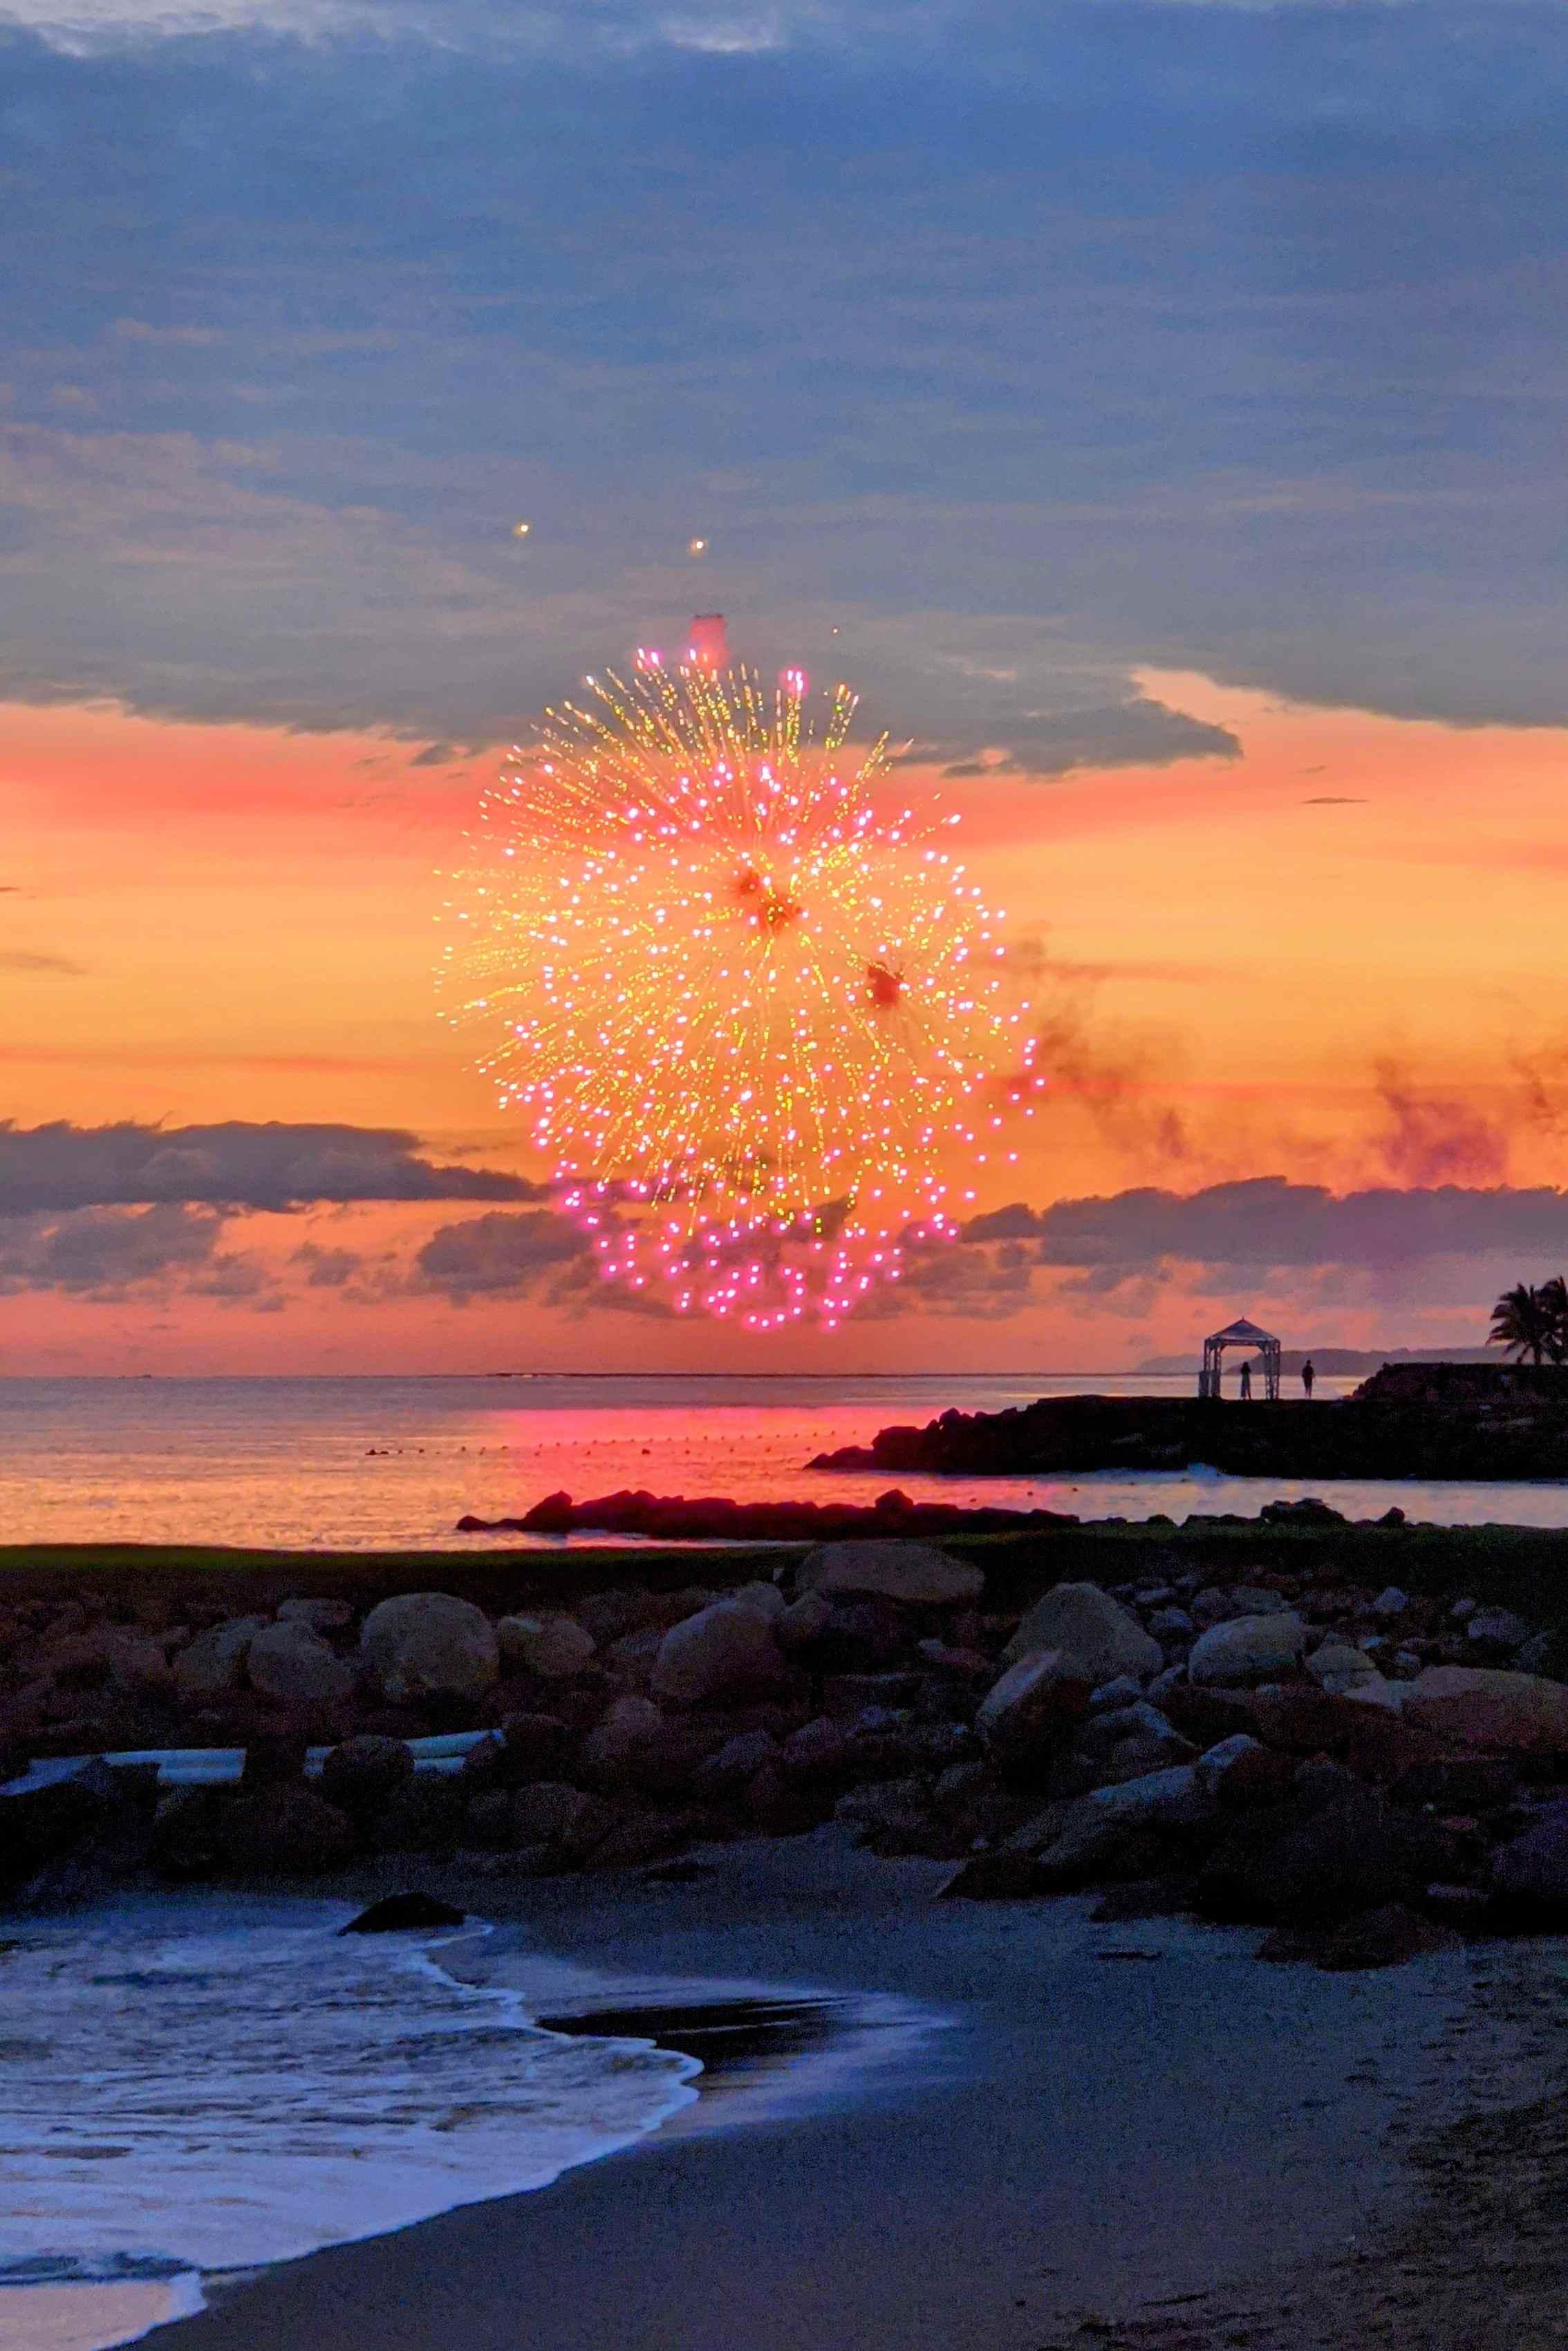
[{"x": 219, "y": 1767}]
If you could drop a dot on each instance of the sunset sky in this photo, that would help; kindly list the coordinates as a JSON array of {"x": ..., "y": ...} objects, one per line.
[{"x": 1157, "y": 411}]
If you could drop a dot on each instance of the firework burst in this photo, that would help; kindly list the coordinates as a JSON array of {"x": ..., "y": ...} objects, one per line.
[{"x": 753, "y": 1022}]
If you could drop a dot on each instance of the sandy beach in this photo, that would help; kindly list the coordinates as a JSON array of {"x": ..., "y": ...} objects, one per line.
[{"x": 1124, "y": 2135}]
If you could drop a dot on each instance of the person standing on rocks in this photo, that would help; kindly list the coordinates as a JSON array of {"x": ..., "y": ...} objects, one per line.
[
  {"x": 1246, "y": 1382},
  {"x": 1308, "y": 1375}
]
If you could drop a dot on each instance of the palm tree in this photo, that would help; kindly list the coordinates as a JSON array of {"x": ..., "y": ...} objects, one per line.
[
  {"x": 1553, "y": 1295},
  {"x": 1532, "y": 1323}
]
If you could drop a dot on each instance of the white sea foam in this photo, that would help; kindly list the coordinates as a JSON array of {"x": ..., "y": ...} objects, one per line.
[{"x": 207, "y": 2084}]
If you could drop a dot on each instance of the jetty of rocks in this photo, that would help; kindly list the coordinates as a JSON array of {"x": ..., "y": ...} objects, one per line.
[
  {"x": 1365, "y": 1770},
  {"x": 1427, "y": 1420}
]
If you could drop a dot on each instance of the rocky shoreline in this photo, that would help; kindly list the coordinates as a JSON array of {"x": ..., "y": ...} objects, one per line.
[
  {"x": 1239, "y": 1729},
  {"x": 1439, "y": 1429}
]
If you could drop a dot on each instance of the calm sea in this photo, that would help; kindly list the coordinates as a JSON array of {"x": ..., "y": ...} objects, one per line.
[{"x": 366, "y": 1463}]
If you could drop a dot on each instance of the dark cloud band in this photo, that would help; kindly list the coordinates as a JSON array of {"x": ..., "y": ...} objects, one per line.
[{"x": 236, "y": 1165}]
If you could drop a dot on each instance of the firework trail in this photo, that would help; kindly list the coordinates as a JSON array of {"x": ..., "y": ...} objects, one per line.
[{"x": 750, "y": 1019}]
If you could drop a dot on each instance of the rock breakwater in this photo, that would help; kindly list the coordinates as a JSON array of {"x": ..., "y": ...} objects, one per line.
[
  {"x": 1366, "y": 1771},
  {"x": 1409, "y": 1433}
]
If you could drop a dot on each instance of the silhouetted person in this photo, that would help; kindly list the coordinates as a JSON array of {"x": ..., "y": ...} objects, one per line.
[
  {"x": 1308, "y": 1377},
  {"x": 1246, "y": 1382}
]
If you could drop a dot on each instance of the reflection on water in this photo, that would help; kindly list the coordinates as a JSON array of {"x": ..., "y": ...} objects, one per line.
[{"x": 371, "y": 1463}]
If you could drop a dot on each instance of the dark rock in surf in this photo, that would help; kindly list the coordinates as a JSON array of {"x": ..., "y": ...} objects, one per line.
[{"x": 397, "y": 1914}]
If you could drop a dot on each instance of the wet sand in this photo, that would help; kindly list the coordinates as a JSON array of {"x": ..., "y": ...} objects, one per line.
[{"x": 1131, "y": 2136}]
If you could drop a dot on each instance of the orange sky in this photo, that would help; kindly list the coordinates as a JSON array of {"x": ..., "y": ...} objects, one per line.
[{"x": 204, "y": 922}]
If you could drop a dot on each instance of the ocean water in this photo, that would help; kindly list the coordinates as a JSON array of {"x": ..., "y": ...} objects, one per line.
[
  {"x": 204, "y": 2083},
  {"x": 197, "y": 2085},
  {"x": 367, "y": 1463}
]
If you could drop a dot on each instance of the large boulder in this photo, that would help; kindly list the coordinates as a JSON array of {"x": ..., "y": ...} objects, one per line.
[
  {"x": 1496, "y": 1633},
  {"x": 42, "y": 1821},
  {"x": 291, "y": 1830},
  {"x": 397, "y": 1914},
  {"x": 365, "y": 1773},
  {"x": 1075, "y": 1843},
  {"x": 1386, "y": 1937},
  {"x": 1530, "y": 1874},
  {"x": 137, "y": 1666},
  {"x": 736, "y": 1763},
  {"x": 1093, "y": 1628},
  {"x": 321, "y": 1614},
  {"x": 1247, "y": 1650},
  {"x": 430, "y": 1645},
  {"x": 1342, "y": 1670},
  {"x": 192, "y": 1831},
  {"x": 557, "y": 1826},
  {"x": 1371, "y": 1741},
  {"x": 914, "y": 1572},
  {"x": 804, "y": 1621},
  {"x": 724, "y": 1652},
  {"x": 1126, "y": 1743},
  {"x": 1312, "y": 1863},
  {"x": 214, "y": 1665},
  {"x": 1034, "y": 1710},
  {"x": 1491, "y": 1708},
  {"x": 290, "y": 1662},
  {"x": 1238, "y": 1772},
  {"x": 612, "y": 1752},
  {"x": 555, "y": 1648}
]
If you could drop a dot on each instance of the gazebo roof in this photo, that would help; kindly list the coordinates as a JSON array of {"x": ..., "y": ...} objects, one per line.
[{"x": 1247, "y": 1332}]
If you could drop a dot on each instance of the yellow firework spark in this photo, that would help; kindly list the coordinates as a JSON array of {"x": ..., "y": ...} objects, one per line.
[{"x": 748, "y": 1016}]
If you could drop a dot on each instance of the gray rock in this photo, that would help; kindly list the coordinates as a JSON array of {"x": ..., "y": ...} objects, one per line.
[
  {"x": 1212, "y": 1606},
  {"x": 613, "y": 1748},
  {"x": 1498, "y": 1630},
  {"x": 1215, "y": 1768},
  {"x": 1490, "y": 1707},
  {"x": 1462, "y": 1611},
  {"x": 1129, "y": 1744},
  {"x": 293, "y": 1664},
  {"x": 803, "y": 1622},
  {"x": 914, "y": 1572},
  {"x": 552, "y": 1647},
  {"x": 137, "y": 1668},
  {"x": 766, "y": 1598},
  {"x": 1111, "y": 1696},
  {"x": 1245, "y": 1651},
  {"x": 214, "y": 1663},
  {"x": 1174, "y": 1678},
  {"x": 1031, "y": 1712},
  {"x": 819, "y": 1754},
  {"x": 736, "y": 1763},
  {"x": 1094, "y": 1830},
  {"x": 726, "y": 1651},
  {"x": 430, "y": 1645},
  {"x": 1531, "y": 1872},
  {"x": 291, "y": 1830},
  {"x": 366, "y": 1772},
  {"x": 1171, "y": 1625},
  {"x": 1351, "y": 1851},
  {"x": 1258, "y": 1600},
  {"x": 1537, "y": 1656},
  {"x": 1340, "y": 1669},
  {"x": 1391, "y": 1602},
  {"x": 1086, "y": 1623},
  {"x": 322, "y": 1615}
]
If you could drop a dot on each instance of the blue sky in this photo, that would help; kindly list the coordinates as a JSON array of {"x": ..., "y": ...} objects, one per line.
[{"x": 1023, "y": 344}]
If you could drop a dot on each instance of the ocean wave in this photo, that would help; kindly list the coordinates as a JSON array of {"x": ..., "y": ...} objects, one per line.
[{"x": 208, "y": 2085}]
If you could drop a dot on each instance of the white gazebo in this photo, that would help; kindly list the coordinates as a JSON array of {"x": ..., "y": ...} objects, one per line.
[{"x": 1240, "y": 1333}]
